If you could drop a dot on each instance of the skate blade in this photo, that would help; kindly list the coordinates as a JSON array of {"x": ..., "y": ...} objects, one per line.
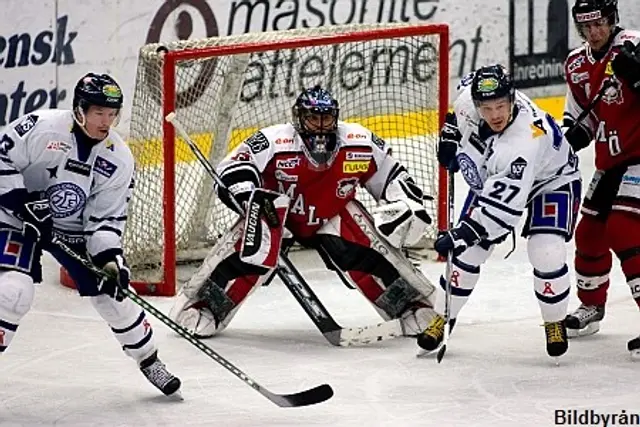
[
  {"x": 590, "y": 329},
  {"x": 424, "y": 353},
  {"x": 556, "y": 359},
  {"x": 176, "y": 396}
]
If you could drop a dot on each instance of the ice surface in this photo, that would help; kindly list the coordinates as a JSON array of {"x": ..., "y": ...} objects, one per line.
[{"x": 64, "y": 367}]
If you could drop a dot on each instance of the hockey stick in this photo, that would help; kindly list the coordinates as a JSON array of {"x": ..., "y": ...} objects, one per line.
[
  {"x": 307, "y": 397},
  {"x": 449, "y": 271},
  {"x": 293, "y": 280}
]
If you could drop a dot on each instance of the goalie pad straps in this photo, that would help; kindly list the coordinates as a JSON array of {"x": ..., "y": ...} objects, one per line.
[{"x": 264, "y": 228}]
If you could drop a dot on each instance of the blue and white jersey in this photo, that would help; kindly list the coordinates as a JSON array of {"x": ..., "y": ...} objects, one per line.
[
  {"x": 88, "y": 187},
  {"x": 508, "y": 169}
]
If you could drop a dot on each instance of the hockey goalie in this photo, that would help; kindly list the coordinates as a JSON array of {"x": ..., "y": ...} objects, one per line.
[{"x": 297, "y": 182}]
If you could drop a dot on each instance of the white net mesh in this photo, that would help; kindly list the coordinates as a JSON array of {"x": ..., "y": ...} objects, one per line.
[{"x": 389, "y": 85}]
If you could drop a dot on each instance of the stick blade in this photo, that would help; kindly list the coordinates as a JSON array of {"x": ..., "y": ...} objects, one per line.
[
  {"x": 441, "y": 353},
  {"x": 304, "y": 398}
]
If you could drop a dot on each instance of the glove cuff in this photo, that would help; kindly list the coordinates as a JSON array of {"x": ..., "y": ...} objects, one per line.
[
  {"x": 474, "y": 231},
  {"x": 101, "y": 259}
]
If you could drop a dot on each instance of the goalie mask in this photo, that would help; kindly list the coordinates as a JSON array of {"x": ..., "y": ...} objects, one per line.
[{"x": 315, "y": 117}]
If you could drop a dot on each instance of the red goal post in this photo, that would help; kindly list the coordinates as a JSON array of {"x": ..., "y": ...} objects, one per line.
[{"x": 392, "y": 78}]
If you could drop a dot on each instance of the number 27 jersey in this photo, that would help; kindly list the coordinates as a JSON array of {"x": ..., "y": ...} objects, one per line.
[{"x": 507, "y": 170}]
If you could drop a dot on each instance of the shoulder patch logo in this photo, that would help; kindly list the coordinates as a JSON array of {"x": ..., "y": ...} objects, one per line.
[
  {"x": 517, "y": 169},
  {"x": 104, "y": 167},
  {"x": 257, "y": 142},
  {"x": 379, "y": 142}
]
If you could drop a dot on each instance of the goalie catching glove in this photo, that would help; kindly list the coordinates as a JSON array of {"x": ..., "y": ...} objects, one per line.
[{"x": 403, "y": 220}]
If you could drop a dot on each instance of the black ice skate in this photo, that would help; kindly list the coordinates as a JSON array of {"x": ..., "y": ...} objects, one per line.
[
  {"x": 157, "y": 374},
  {"x": 584, "y": 321},
  {"x": 557, "y": 343},
  {"x": 634, "y": 348},
  {"x": 432, "y": 337}
]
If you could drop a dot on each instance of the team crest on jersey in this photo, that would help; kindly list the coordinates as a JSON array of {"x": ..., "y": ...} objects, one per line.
[
  {"x": 469, "y": 171},
  {"x": 65, "y": 199},
  {"x": 613, "y": 94},
  {"x": 346, "y": 186}
]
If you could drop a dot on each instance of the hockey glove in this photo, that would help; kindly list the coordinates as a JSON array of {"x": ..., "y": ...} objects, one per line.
[
  {"x": 450, "y": 136},
  {"x": 626, "y": 65},
  {"x": 577, "y": 134},
  {"x": 36, "y": 217},
  {"x": 118, "y": 278},
  {"x": 468, "y": 233}
]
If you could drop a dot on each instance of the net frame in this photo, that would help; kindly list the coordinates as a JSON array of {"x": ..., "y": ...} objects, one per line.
[{"x": 167, "y": 283}]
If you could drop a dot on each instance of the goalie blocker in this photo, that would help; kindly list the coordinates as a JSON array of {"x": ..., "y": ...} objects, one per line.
[{"x": 246, "y": 257}]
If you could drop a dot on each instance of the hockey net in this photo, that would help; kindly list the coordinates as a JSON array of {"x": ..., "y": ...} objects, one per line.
[{"x": 393, "y": 79}]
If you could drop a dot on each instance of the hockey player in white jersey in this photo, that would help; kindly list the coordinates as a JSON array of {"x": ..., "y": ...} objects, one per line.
[
  {"x": 514, "y": 159},
  {"x": 66, "y": 173},
  {"x": 308, "y": 171}
]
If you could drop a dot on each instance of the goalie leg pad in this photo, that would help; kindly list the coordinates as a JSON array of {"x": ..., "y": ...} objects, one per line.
[
  {"x": 379, "y": 270},
  {"x": 207, "y": 303},
  {"x": 16, "y": 297}
]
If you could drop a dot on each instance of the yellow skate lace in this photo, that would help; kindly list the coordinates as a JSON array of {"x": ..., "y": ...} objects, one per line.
[
  {"x": 554, "y": 332},
  {"x": 436, "y": 327}
]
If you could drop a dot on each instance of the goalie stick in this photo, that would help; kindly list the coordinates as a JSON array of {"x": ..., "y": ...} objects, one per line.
[
  {"x": 304, "y": 398},
  {"x": 295, "y": 283}
]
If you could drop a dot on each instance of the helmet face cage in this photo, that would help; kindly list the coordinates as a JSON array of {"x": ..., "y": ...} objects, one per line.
[
  {"x": 585, "y": 11},
  {"x": 492, "y": 82},
  {"x": 320, "y": 140}
]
